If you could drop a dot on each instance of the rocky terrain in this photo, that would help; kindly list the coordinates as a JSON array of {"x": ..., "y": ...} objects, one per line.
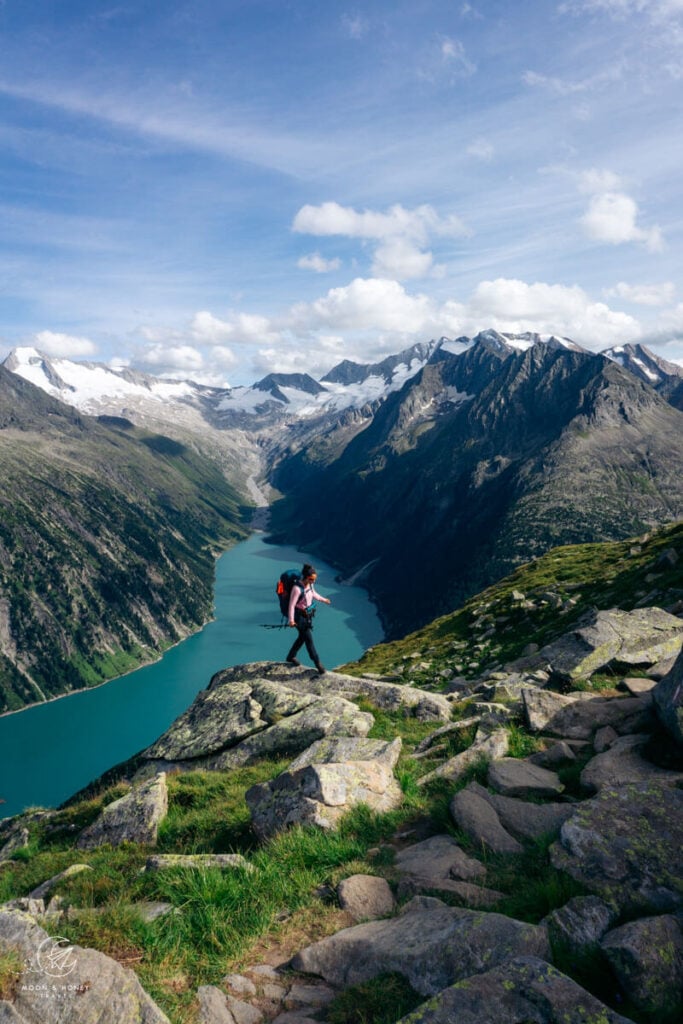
[{"x": 491, "y": 848}]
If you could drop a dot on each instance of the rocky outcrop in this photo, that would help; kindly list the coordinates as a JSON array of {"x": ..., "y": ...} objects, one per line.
[
  {"x": 668, "y": 698},
  {"x": 578, "y": 715},
  {"x": 624, "y": 845},
  {"x": 522, "y": 819},
  {"x": 320, "y": 794},
  {"x": 439, "y": 864},
  {"x": 242, "y": 717},
  {"x": 579, "y": 925},
  {"x": 133, "y": 818},
  {"x": 430, "y": 944},
  {"x": 624, "y": 763},
  {"x": 639, "y": 637},
  {"x": 18, "y": 840},
  {"x": 513, "y": 777},
  {"x": 488, "y": 745},
  {"x": 61, "y": 982},
  {"x": 647, "y": 959},
  {"x": 478, "y": 819},
  {"x": 524, "y": 990}
]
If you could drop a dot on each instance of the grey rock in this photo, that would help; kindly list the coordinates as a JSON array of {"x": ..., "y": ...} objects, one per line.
[
  {"x": 636, "y": 686},
  {"x": 45, "y": 888},
  {"x": 366, "y": 897},
  {"x": 668, "y": 699},
  {"x": 96, "y": 987},
  {"x": 240, "y": 986},
  {"x": 18, "y": 840},
  {"x": 624, "y": 846},
  {"x": 623, "y": 763},
  {"x": 301, "y": 995},
  {"x": 577, "y": 716},
  {"x": 557, "y": 755},
  {"x": 639, "y": 637},
  {"x": 487, "y": 746},
  {"x": 445, "y": 730},
  {"x": 242, "y": 1012},
  {"x": 438, "y": 858},
  {"x": 320, "y": 794},
  {"x": 430, "y": 944},
  {"x": 524, "y": 990},
  {"x": 604, "y": 738},
  {"x": 8, "y": 1015},
  {"x": 647, "y": 958},
  {"x": 133, "y": 818},
  {"x": 522, "y": 819},
  {"x": 513, "y": 777},
  {"x": 198, "y": 861},
  {"x": 152, "y": 910},
  {"x": 469, "y": 894},
  {"x": 580, "y": 924},
  {"x": 293, "y": 1017},
  {"x": 337, "y": 750},
  {"x": 478, "y": 819},
  {"x": 213, "y": 1007}
]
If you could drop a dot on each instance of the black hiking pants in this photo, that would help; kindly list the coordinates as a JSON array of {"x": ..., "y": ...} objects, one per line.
[{"x": 304, "y": 625}]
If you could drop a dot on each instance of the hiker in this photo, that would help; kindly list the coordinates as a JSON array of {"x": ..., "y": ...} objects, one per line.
[{"x": 301, "y": 611}]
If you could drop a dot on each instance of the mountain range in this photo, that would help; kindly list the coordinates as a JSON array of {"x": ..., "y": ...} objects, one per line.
[{"x": 432, "y": 473}]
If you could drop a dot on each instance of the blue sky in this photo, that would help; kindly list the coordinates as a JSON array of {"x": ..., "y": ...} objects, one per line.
[{"x": 216, "y": 188}]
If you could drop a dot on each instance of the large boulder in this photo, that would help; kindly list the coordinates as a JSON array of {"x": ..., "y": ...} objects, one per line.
[
  {"x": 515, "y": 777},
  {"x": 524, "y": 990},
  {"x": 647, "y": 958},
  {"x": 579, "y": 925},
  {"x": 430, "y": 944},
  {"x": 578, "y": 715},
  {"x": 479, "y": 820},
  {"x": 668, "y": 698},
  {"x": 624, "y": 762},
  {"x": 487, "y": 746},
  {"x": 438, "y": 864},
  {"x": 321, "y": 793},
  {"x": 624, "y": 845},
  {"x": 522, "y": 819},
  {"x": 63, "y": 983},
  {"x": 133, "y": 818},
  {"x": 236, "y": 721},
  {"x": 640, "y": 637}
]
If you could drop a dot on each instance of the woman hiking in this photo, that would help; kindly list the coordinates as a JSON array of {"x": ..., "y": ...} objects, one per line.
[{"x": 301, "y": 611}]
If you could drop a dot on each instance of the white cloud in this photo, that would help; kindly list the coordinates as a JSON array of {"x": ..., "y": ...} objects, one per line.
[
  {"x": 355, "y": 26},
  {"x": 239, "y": 327},
  {"x": 403, "y": 234},
  {"x": 65, "y": 345},
  {"x": 611, "y": 217},
  {"x": 208, "y": 329},
  {"x": 454, "y": 56},
  {"x": 597, "y": 180},
  {"x": 564, "y": 87},
  {"x": 171, "y": 359},
  {"x": 481, "y": 149},
  {"x": 314, "y": 261},
  {"x": 656, "y": 9},
  {"x": 643, "y": 294}
]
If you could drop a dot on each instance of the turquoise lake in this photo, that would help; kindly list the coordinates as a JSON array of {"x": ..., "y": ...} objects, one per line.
[{"x": 50, "y": 751}]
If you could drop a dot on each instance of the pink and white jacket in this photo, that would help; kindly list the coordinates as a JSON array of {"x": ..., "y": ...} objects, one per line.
[{"x": 303, "y": 598}]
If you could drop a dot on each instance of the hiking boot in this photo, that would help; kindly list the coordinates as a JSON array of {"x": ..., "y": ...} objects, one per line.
[
  {"x": 294, "y": 661},
  {"x": 321, "y": 669}
]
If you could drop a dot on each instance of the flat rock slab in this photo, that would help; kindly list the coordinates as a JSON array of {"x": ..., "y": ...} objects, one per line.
[
  {"x": 668, "y": 698},
  {"x": 625, "y": 845},
  {"x": 487, "y": 746},
  {"x": 647, "y": 958},
  {"x": 479, "y": 820},
  {"x": 624, "y": 762},
  {"x": 525, "y": 990},
  {"x": 577, "y": 716},
  {"x": 510, "y": 776},
  {"x": 320, "y": 794},
  {"x": 198, "y": 861},
  {"x": 430, "y": 944},
  {"x": 421, "y": 704},
  {"x": 438, "y": 858},
  {"x": 238, "y": 720},
  {"x": 366, "y": 897},
  {"x": 643, "y": 636},
  {"x": 133, "y": 818},
  {"x": 91, "y": 986},
  {"x": 637, "y": 686},
  {"x": 338, "y": 749},
  {"x": 522, "y": 819}
]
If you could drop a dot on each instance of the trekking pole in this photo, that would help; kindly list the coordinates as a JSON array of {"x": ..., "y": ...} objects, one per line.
[{"x": 268, "y": 625}]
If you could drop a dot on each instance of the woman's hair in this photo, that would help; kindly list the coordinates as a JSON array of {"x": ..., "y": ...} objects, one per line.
[{"x": 308, "y": 570}]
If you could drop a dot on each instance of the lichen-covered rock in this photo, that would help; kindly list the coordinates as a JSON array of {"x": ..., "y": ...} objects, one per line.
[
  {"x": 18, "y": 840},
  {"x": 45, "y": 888},
  {"x": 640, "y": 637},
  {"x": 133, "y": 818},
  {"x": 647, "y": 957},
  {"x": 239, "y": 720},
  {"x": 577, "y": 716},
  {"x": 198, "y": 861},
  {"x": 668, "y": 699},
  {"x": 624, "y": 845},
  {"x": 338, "y": 749},
  {"x": 320, "y": 794},
  {"x": 524, "y": 990},
  {"x": 580, "y": 924},
  {"x": 487, "y": 746},
  {"x": 439, "y": 865},
  {"x": 513, "y": 777},
  {"x": 88, "y": 986},
  {"x": 430, "y": 944}
]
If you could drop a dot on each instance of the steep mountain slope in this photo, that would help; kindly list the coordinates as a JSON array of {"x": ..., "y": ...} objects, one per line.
[
  {"x": 107, "y": 543},
  {"x": 665, "y": 377},
  {"x": 480, "y": 462}
]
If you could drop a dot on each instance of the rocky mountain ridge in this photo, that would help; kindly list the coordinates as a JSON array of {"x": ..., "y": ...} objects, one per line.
[{"x": 521, "y": 861}]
